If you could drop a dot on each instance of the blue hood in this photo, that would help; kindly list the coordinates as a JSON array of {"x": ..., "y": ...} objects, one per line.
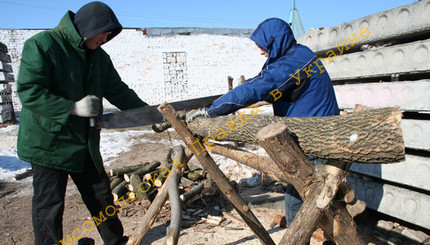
[{"x": 275, "y": 36}]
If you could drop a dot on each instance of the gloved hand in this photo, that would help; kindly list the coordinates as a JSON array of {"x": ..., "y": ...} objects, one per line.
[
  {"x": 193, "y": 114},
  {"x": 89, "y": 106}
]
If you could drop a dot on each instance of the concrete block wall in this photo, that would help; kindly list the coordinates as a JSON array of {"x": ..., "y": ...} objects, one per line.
[
  {"x": 209, "y": 58},
  {"x": 6, "y": 78},
  {"x": 361, "y": 67}
]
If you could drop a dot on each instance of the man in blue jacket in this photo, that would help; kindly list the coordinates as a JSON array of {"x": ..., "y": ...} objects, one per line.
[{"x": 292, "y": 79}]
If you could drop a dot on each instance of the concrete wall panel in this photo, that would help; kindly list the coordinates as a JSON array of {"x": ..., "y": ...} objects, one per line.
[
  {"x": 406, "y": 20},
  {"x": 399, "y": 202},
  {"x": 410, "y": 58},
  {"x": 416, "y": 134},
  {"x": 414, "y": 171},
  {"x": 409, "y": 95}
]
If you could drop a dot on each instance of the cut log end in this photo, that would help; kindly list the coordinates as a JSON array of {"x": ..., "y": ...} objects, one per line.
[{"x": 271, "y": 131}]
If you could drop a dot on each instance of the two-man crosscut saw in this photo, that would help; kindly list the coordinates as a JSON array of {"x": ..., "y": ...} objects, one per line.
[{"x": 146, "y": 115}]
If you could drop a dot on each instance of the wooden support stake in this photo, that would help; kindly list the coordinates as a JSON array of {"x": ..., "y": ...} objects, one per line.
[
  {"x": 174, "y": 228},
  {"x": 262, "y": 164},
  {"x": 268, "y": 167},
  {"x": 283, "y": 150},
  {"x": 218, "y": 176}
]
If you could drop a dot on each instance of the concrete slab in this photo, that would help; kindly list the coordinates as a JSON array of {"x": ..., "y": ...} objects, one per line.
[
  {"x": 409, "y": 95},
  {"x": 5, "y": 98},
  {"x": 409, "y": 58},
  {"x": 416, "y": 134},
  {"x": 5, "y": 116},
  {"x": 402, "y": 203},
  {"x": 4, "y": 67},
  {"x": 5, "y": 88},
  {"x": 415, "y": 171},
  {"x": 395, "y": 23},
  {"x": 5, "y": 57},
  {"x": 5, "y": 108},
  {"x": 6, "y": 77}
]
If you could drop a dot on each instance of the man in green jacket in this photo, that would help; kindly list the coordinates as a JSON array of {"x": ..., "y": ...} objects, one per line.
[{"x": 63, "y": 76}]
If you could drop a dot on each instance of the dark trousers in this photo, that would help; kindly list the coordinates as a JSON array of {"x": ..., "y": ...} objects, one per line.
[
  {"x": 293, "y": 202},
  {"x": 48, "y": 204}
]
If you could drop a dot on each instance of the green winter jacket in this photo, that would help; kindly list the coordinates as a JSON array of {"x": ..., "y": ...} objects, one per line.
[{"x": 54, "y": 74}]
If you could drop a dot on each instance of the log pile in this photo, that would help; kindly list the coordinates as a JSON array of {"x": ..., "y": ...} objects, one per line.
[{"x": 144, "y": 180}]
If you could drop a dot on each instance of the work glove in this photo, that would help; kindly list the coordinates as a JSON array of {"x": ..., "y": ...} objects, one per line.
[
  {"x": 89, "y": 106},
  {"x": 193, "y": 114}
]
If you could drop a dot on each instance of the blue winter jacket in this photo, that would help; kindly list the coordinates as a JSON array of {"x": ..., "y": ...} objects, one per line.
[{"x": 312, "y": 96}]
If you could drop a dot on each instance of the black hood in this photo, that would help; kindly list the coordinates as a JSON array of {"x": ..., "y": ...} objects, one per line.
[{"x": 94, "y": 18}]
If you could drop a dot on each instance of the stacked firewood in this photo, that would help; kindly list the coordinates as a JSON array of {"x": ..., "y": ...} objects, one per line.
[{"x": 143, "y": 181}]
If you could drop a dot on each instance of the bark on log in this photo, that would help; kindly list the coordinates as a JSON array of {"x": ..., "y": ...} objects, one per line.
[
  {"x": 191, "y": 193},
  {"x": 136, "y": 182},
  {"x": 346, "y": 193},
  {"x": 157, "y": 203},
  {"x": 218, "y": 176},
  {"x": 148, "y": 167},
  {"x": 116, "y": 181},
  {"x": 371, "y": 136},
  {"x": 262, "y": 164},
  {"x": 174, "y": 228},
  {"x": 126, "y": 169},
  {"x": 305, "y": 221},
  {"x": 291, "y": 160},
  {"x": 24, "y": 175},
  {"x": 119, "y": 190}
]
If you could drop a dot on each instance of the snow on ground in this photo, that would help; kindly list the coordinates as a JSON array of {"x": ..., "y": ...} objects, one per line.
[
  {"x": 113, "y": 143},
  {"x": 10, "y": 165}
]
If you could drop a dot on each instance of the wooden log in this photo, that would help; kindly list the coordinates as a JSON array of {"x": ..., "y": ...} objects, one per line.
[
  {"x": 116, "y": 181},
  {"x": 24, "y": 175},
  {"x": 290, "y": 159},
  {"x": 174, "y": 228},
  {"x": 191, "y": 193},
  {"x": 356, "y": 208},
  {"x": 196, "y": 174},
  {"x": 119, "y": 190},
  {"x": 346, "y": 193},
  {"x": 127, "y": 169},
  {"x": 158, "y": 202},
  {"x": 305, "y": 221},
  {"x": 279, "y": 220},
  {"x": 287, "y": 156},
  {"x": 218, "y": 176},
  {"x": 186, "y": 182},
  {"x": 136, "y": 183},
  {"x": 148, "y": 167},
  {"x": 262, "y": 164},
  {"x": 373, "y": 136}
]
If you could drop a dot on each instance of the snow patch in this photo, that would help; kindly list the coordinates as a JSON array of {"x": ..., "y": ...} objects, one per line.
[
  {"x": 114, "y": 143},
  {"x": 10, "y": 164}
]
